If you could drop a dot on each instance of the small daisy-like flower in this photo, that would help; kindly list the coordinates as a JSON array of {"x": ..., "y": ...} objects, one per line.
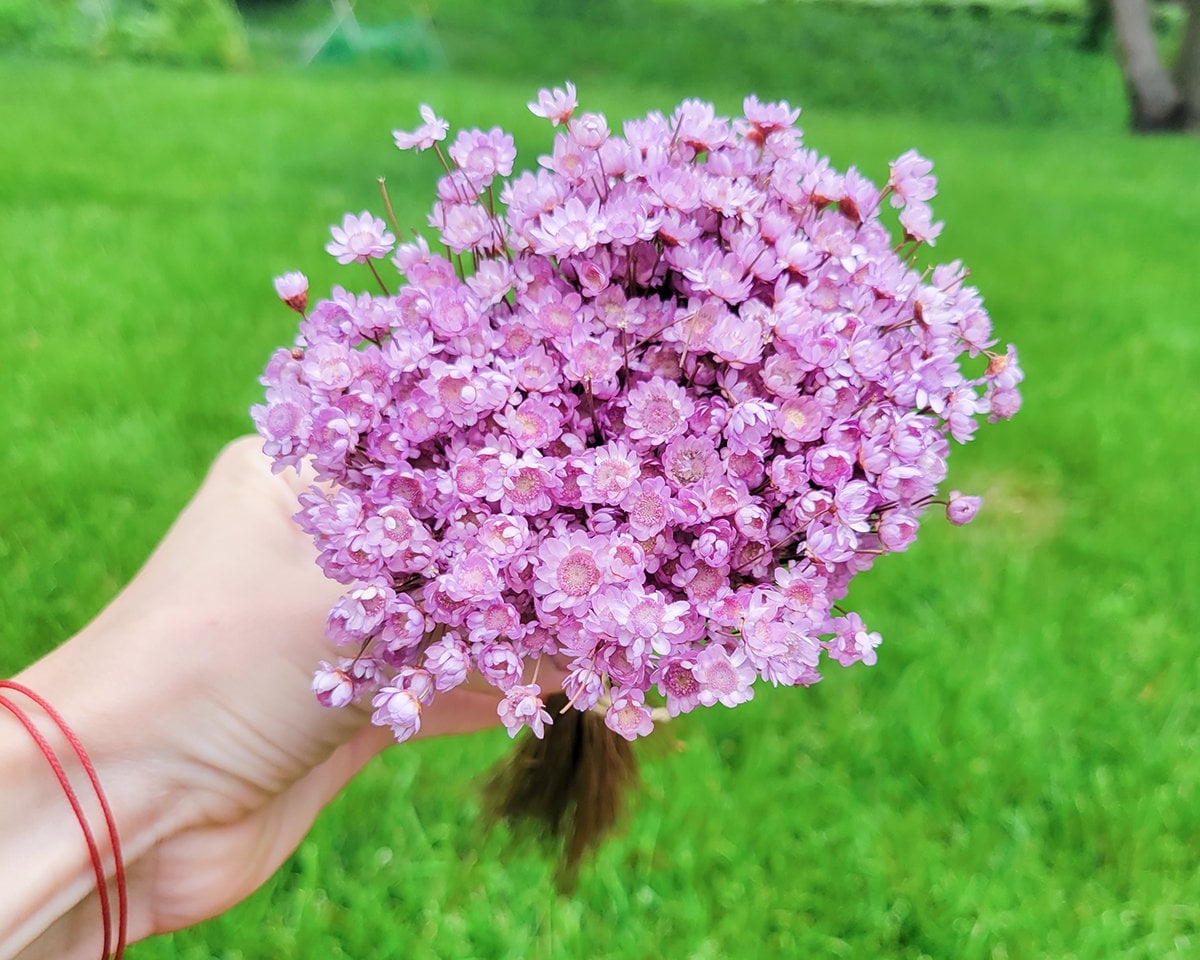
[
  {"x": 522, "y": 707},
  {"x": 918, "y": 224},
  {"x": 590, "y": 130},
  {"x": 555, "y": 105},
  {"x": 766, "y": 118},
  {"x": 360, "y": 239},
  {"x": 911, "y": 180},
  {"x": 500, "y": 663},
  {"x": 852, "y": 641},
  {"x": 676, "y": 680},
  {"x": 484, "y": 156},
  {"x": 724, "y": 678},
  {"x": 647, "y": 504},
  {"x": 569, "y": 229},
  {"x": 449, "y": 660},
  {"x": 690, "y": 460},
  {"x": 523, "y": 484},
  {"x": 658, "y": 410},
  {"x": 398, "y": 709},
  {"x": 608, "y": 473},
  {"x": 569, "y": 571},
  {"x": 425, "y": 136},
  {"x": 648, "y": 614},
  {"x": 628, "y": 714}
]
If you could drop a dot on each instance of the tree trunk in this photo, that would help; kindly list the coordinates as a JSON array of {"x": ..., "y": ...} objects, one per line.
[
  {"x": 1155, "y": 100},
  {"x": 1187, "y": 72}
]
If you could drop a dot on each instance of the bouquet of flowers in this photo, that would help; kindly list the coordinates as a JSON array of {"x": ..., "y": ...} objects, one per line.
[{"x": 646, "y": 410}]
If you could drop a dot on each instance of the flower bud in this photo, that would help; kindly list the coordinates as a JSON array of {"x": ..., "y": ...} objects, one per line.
[
  {"x": 962, "y": 509},
  {"x": 293, "y": 290}
]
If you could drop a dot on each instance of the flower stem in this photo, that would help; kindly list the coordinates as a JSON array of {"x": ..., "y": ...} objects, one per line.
[
  {"x": 378, "y": 278},
  {"x": 387, "y": 203}
]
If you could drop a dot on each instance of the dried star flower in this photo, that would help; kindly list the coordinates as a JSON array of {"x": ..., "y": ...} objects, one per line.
[{"x": 651, "y": 416}]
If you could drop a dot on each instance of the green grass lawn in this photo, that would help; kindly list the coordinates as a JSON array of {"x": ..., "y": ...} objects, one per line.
[{"x": 1018, "y": 777}]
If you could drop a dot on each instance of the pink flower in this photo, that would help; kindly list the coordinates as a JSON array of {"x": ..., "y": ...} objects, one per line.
[
  {"x": 910, "y": 179},
  {"x": 765, "y": 118},
  {"x": 647, "y": 504},
  {"x": 568, "y": 571},
  {"x": 425, "y": 136},
  {"x": 484, "y": 156},
  {"x": 568, "y": 229},
  {"x": 683, "y": 386},
  {"x": 676, "y": 680},
  {"x": 657, "y": 411},
  {"x": 524, "y": 484},
  {"x": 449, "y": 661},
  {"x": 397, "y": 709},
  {"x": 522, "y": 707},
  {"x": 852, "y": 642},
  {"x": 293, "y": 290},
  {"x": 648, "y": 615},
  {"x": 724, "y": 678},
  {"x": 628, "y": 714},
  {"x": 917, "y": 220},
  {"x": 500, "y": 663},
  {"x": 689, "y": 460},
  {"x": 608, "y": 473},
  {"x": 962, "y": 509},
  {"x": 589, "y": 130},
  {"x": 333, "y": 687},
  {"x": 555, "y": 105},
  {"x": 360, "y": 239}
]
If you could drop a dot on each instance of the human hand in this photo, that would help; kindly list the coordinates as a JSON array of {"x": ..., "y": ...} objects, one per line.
[{"x": 194, "y": 689}]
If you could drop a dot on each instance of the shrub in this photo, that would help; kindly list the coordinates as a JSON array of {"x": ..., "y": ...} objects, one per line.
[{"x": 206, "y": 32}]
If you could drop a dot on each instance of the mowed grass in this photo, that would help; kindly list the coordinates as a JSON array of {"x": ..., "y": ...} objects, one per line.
[{"x": 1019, "y": 776}]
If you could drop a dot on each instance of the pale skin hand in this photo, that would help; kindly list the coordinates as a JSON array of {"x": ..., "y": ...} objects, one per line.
[{"x": 192, "y": 693}]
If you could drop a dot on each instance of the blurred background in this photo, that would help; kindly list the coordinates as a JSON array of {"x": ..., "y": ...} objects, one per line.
[{"x": 1019, "y": 776}]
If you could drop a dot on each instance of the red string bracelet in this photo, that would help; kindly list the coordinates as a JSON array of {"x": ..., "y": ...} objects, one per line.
[{"x": 73, "y": 799}]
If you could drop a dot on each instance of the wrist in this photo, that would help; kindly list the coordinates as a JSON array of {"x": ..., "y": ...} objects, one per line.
[{"x": 49, "y": 899}]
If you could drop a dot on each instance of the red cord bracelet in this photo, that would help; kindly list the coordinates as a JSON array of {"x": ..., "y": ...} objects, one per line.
[{"x": 73, "y": 799}]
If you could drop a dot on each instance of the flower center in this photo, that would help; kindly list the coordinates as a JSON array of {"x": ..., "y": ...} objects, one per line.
[
  {"x": 680, "y": 681},
  {"x": 721, "y": 678},
  {"x": 526, "y": 485},
  {"x": 688, "y": 467},
  {"x": 578, "y": 574},
  {"x": 660, "y": 415},
  {"x": 648, "y": 510}
]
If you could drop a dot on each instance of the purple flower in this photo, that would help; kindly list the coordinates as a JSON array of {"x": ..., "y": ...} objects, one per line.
[
  {"x": 449, "y": 661},
  {"x": 651, "y": 414},
  {"x": 425, "y": 136},
  {"x": 484, "y": 156},
  {"x": 333, "y": 687},
  {"x": 910, "y": 180},
  {"x": 360, "y": 239},
  {"x": 571, "y": 228},
  {"x": 917, "y": 220},
  {"x": 398, "y": 709},
  {"x": 628, "y": 714},
  {"x": 723, "y": 678},
  {"x": 522, "y": 707},
  {"x": 569, "y": 571},
  {"x": 293, "y": 290},
  {"x": 555, "y": 105},
  {"x": 657, "y": 411},
  {"x": 962, "y": 509}
]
